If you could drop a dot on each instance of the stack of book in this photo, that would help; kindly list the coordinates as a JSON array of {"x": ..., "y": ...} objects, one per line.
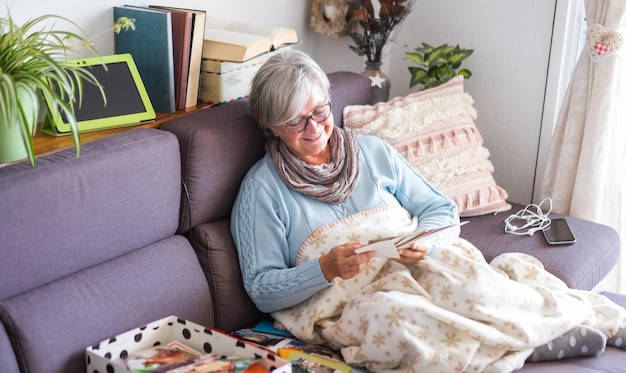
[
  {"x": 232, "y": 54},
  {"x": 166, "y": 46}
]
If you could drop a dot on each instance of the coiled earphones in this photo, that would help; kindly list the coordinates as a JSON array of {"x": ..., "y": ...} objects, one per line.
[{"x": 529, "y": 220}]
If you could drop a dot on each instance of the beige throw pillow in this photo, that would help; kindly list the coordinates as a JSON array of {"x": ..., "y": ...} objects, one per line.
[{"x": 435, "y": 131}]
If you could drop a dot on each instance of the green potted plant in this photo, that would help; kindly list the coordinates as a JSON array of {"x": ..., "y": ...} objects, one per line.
[
  {"x": 33, "y": 68},
  {"x": 437, "y": 65}
]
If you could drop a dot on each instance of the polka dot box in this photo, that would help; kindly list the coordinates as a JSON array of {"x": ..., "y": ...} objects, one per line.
[{"x": 105, "y": 356}]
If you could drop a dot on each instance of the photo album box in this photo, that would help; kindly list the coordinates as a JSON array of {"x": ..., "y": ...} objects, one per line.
[
  {"x": 224, "y": 81},
  {"x": 127, "y": 102},
  {"x": 110, "y": 355}
]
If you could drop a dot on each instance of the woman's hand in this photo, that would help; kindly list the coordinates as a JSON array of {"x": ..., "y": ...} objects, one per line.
[
  {"x": 342, "y": 261},
  {"x": 413, "y": 255}
]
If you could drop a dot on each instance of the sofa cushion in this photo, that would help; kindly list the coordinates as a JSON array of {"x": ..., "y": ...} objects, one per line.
[
  {"x": 216, "y": 250},
  {"x": 53, "y": 324},
  {"x": 611, "y": 360},
  {"x": 581, "y": 265},
  {"x": 68, "y": 214},
  {"x": 435, "y": 131},
  {"x": 617, "y": 298},
  {"x": 8, "y": 361}
]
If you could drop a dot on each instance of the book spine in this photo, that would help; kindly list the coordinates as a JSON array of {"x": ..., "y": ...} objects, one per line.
[
  {"x": 195, "y": 58},
  {"x": 181, "y": 48}
]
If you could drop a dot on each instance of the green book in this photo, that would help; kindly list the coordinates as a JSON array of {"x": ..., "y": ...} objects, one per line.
[{"x": 151, "y": 46}]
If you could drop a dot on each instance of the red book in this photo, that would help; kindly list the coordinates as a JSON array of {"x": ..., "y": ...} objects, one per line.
[
  {"x": 195, "y": 54},
  {"x": 182, "y": 23}
]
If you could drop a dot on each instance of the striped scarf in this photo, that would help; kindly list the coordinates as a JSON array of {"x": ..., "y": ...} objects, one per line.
[{"x": 332, "y": 182}]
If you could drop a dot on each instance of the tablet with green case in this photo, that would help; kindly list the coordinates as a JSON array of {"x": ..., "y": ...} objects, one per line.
[{"x": 127, "y": 101}]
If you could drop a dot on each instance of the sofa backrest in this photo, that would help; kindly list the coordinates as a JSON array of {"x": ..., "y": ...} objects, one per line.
[
  {"x": 59, "y": 216},
  {"x": 348, "y": 88},
  {"x": 89, "y": 249},
  {"x": 218, "y": 145}
]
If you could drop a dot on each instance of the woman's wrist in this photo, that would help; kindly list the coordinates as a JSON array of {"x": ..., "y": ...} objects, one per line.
[{"x": 323, "y": 262}]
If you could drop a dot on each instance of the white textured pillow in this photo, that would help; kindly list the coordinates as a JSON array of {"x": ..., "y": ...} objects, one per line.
[{"x": 435, "y": 131}]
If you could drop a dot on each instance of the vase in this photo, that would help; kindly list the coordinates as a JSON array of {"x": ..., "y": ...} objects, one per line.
[
  {"x": 380, "y": 82},
  {"x": 12, "y": 146}
]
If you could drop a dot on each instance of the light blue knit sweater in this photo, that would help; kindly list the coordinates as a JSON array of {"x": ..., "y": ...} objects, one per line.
[{"x": 270, "y": 221}]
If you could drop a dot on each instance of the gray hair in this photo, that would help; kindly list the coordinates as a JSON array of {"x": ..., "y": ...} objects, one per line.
[{"x": 282, "y": 86}]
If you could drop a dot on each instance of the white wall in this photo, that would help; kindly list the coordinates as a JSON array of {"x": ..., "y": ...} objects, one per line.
[
  {"x": 96, "y": 16},
  {"x": 511, "y": 40}
]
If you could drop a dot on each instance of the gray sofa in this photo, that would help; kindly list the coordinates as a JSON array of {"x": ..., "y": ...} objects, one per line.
[{"x": 94, "y": 246}]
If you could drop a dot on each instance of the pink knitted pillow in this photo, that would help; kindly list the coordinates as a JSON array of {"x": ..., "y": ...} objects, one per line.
[{"x": 435, "y": 131}]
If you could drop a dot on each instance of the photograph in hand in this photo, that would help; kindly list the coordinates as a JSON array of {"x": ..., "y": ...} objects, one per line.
[{"x": 388, "y": 247}]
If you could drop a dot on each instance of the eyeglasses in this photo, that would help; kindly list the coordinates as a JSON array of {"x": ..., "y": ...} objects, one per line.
[{"x": 299, "y": 124}]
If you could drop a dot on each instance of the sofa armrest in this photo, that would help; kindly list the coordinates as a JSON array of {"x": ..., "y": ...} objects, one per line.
[{"x": 581, "y": 265}]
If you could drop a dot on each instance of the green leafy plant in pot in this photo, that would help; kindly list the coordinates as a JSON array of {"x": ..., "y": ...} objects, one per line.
[
  {"x": 437, "y": 65},
  {"x": 33, "y": 68}
]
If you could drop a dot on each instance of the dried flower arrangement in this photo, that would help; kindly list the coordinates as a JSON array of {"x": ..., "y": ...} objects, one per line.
[{"x": 376, "y": 28}]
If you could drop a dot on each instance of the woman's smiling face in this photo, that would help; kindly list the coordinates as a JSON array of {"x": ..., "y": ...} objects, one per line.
[{"x": 310, "y": 145}]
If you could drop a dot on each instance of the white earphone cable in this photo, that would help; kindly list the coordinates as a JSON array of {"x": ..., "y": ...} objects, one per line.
[{"x": 529, "y": 220}]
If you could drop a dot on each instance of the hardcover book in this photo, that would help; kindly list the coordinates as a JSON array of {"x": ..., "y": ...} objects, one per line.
[
  {"x": 191, "y": 54},
  {"x": 181, "y": 50},
  {"x": 195, "y": 58},
  {"x": 234, "y": 41},
  {"x": 150, "y": 44}
]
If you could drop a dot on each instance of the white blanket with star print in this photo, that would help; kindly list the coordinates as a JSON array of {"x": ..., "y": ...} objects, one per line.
[{"x": 453, "y": 312}]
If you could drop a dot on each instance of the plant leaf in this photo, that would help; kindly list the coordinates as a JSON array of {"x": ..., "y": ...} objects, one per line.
[
  {"x": 415, "y": 57},
  {"x": 465, "y": 73},
  {"x": 418, "y": 76}
]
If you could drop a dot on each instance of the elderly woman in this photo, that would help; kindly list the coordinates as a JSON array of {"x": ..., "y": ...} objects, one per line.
[{"x": 321, "y": 193}]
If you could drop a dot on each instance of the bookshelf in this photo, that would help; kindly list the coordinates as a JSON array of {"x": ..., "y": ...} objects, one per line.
[{"x": 46, "y": 144}]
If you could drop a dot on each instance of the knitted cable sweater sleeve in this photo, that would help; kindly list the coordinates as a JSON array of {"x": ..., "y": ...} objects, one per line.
[{"x": 259, "y": 224}]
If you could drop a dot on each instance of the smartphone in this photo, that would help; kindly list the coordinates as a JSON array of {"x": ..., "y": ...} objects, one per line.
[{"x": 559, "y": 233}]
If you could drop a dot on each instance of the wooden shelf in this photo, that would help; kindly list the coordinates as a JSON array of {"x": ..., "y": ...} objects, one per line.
[{"x": 47, "y": 144}]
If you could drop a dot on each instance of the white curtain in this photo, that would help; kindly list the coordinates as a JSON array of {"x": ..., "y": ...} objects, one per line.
[{"x": 585, "y": 173}]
